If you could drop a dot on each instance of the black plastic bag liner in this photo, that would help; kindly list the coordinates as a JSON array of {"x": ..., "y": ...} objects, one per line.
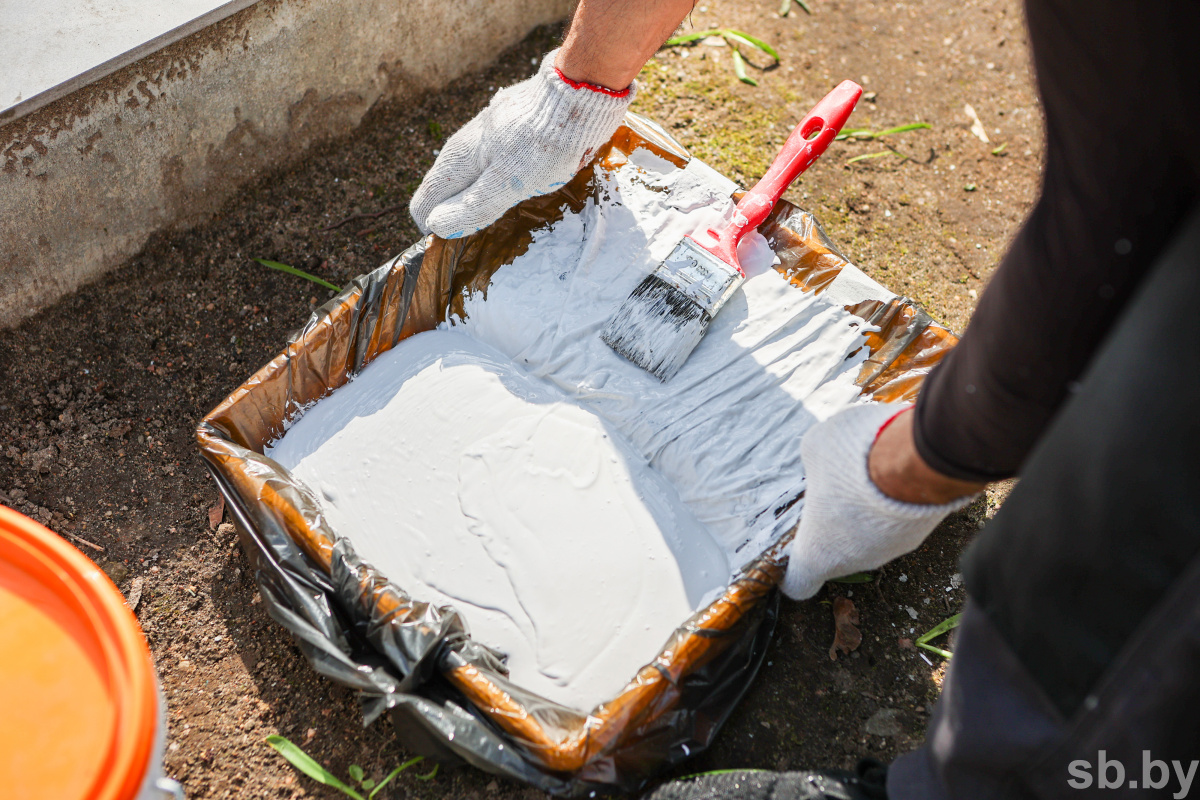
[{"x": 446, "y": 694}]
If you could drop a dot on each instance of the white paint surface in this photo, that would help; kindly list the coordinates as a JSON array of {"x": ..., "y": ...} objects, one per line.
[
  {"x": 49, "y": 43},
  {"x": 505, "y": 471},
  {"x": 726, "y": 429},
  {"x": 468, "y": 482}
]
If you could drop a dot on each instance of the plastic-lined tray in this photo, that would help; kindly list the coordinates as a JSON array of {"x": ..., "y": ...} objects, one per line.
[{"x": 448, "y": 696}]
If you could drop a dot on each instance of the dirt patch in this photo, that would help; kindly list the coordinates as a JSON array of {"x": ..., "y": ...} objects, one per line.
[{"x": 104, "y": 389}]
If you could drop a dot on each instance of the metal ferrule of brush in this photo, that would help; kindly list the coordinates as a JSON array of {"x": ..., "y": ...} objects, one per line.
[{"x": 697, "y": 273}]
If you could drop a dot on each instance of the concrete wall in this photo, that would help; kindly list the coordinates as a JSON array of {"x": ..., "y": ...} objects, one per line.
[{"x": 164, "y": 141}]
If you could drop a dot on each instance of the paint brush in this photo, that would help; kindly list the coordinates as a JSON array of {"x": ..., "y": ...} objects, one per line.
[{"x": 665, "y": 317}]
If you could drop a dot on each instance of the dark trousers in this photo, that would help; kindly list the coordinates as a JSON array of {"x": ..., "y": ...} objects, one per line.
[{"x": 1080, "y": 646}]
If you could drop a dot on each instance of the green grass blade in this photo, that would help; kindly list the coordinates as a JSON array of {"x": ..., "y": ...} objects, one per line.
[
  {"x": 305, "y": 763},
  {"x": 752, "y": 41},
  {"x": 299, "y": 273},
  {"x": 865, "y": 156},
  {"x": 739, "y": 69},
  {"x": 688, "y": 38},
  {"x": 863, "y": 133},
  {"x": 393, "y": 774},
  {"x": 858, "y": 577},
  {"x": 939, "y": 651},
  {"x": 999, "y": 149},
  {"x": 853, "y": 133},
  {"x": 804, "y": 5},
  {"x": 430, "y": 775},
  {"x": 718, "y": 772},
  {"x": 912, "y": 126},
  {"x": 944, "y": 626},
  {"x": 785, "y": 7}
]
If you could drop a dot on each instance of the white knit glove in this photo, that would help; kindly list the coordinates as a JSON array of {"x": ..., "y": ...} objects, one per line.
[
  {"x": 848, "y": 525},
  {"x": 531, "y": 139}
]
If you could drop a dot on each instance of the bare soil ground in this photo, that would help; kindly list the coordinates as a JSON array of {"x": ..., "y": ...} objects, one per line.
[{"x": 103, "y": 390}]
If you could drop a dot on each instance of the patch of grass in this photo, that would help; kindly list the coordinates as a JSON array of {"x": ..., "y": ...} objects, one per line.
[
  {"x": 743, "y": 145},
  {"x": 299, "y": 273},
  {"x": 945, "y": 626},
  {"x": 302, "y": 761},
  {"x": 733, "y": 39},
  {"x": 435, "y": 129}
]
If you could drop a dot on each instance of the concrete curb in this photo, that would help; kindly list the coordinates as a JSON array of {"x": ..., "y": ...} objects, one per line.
[{"x": 163, "y": 142}]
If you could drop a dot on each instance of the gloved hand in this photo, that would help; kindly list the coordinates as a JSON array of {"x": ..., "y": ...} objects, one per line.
[
  {"x": 532, "y": 138},
  {"x": 848, "y": 525}
]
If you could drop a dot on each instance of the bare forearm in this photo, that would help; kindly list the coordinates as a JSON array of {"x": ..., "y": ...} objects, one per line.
[
  {"x": 609, "y": 41},
  {"x": 899, "y": 471}
]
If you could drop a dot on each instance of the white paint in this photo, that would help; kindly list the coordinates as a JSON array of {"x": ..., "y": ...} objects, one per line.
[
  {"x": 852, "y": 286},
  {"x": 467, "y": 482},
  {"x": 49, "y": 43},
  {"x": 726, "y": 430}
]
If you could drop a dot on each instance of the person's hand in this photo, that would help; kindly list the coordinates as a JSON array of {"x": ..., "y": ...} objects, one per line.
[
  {"x": 531, "y": 139},
  {"x": 848, "y": 524}
]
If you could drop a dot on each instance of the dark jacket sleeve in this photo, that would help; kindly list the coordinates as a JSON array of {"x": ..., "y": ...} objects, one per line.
[{"x": 1120, "y": 85}]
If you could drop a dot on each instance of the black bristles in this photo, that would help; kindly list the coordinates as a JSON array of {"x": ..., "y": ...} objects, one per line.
[{"x": 657, "y": 327}]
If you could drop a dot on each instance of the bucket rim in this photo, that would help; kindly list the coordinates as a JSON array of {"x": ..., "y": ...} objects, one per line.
[{"x": 129, "y": 677}]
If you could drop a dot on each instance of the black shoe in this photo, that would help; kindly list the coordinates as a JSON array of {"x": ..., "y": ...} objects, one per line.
[{"x": 867, "y": 782}]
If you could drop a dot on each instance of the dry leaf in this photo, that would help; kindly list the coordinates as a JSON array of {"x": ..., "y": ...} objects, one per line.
[
  {"x": 846, "y": 635},
  {"x": 216, "y": 513},
  {"x": 135, "y": 593},
  {"x": 976, "y": 124}
]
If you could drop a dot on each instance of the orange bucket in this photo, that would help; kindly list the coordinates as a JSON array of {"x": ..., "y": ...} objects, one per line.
[{"x": 82, "y": 714}]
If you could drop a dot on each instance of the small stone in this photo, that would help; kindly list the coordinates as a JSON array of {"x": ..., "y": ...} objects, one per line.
[
  {"x": 494, "y": 786},
  {"x": 884, "y": 723},
  {"x": 912, "y": 612},
  {"x": 43, "y": 459},
  {"x": 115, "y": 570}
]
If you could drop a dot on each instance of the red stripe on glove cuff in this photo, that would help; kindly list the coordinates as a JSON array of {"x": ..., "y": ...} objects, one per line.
[
  {"x": 592, "y": 86},
  {"x": 890, "y": 420}
]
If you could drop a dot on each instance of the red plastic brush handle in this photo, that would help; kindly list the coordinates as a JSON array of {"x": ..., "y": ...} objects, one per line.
[{"x": 806, "y": 143}]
